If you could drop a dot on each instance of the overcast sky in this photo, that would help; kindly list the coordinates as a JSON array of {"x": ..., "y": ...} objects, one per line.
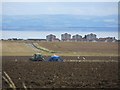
[
  {"x": 60, "y": 0},
  {"x": 76, "y": 8}
]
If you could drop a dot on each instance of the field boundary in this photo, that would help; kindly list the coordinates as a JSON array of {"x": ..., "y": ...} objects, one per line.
[{"x": 42, "y": 48}]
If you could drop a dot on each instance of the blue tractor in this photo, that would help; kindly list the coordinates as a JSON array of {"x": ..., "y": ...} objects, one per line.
[{"x": 55, "y": 58}]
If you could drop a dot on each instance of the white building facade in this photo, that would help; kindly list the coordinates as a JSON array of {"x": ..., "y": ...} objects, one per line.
[
  {"x": 77, "y": 37},
  {"x": 91, "y": 36},
  {"x": 50, "y": 37},
  {"x": 66, "y": 37}
]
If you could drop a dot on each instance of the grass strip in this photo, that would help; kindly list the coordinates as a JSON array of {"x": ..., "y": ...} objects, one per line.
[{"x": 43, "y": 49}]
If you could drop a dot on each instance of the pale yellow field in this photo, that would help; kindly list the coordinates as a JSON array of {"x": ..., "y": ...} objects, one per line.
[
  {"x": 24, "y": 48},
  {"x": 16, "y": 48},
  {"x": 0, "y": 48}
]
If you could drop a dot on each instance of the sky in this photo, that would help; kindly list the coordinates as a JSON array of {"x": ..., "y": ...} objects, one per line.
[
  {"x": 95, "y": 8},
  {"x": 60, "y": 0},
  {"x": 76, "y": 8}
]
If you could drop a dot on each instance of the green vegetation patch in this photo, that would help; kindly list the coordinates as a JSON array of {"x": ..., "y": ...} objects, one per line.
[{"x": 42, "y": 48}]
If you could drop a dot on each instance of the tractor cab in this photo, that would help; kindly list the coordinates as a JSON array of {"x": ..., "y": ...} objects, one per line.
[{"x": 37, "y": 57}]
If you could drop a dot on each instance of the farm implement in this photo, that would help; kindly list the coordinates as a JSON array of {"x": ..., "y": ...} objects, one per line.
[
  {"x": 37, "y": 57},
  {"x": 40, "y": 57}
]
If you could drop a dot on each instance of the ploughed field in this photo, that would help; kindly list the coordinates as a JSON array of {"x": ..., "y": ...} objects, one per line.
[
  {"x": 83, "y": 74},
  {"x": 86, "y": 64}
]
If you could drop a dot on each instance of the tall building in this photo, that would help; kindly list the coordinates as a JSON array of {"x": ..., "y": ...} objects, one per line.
[
  {"x": 66, "y": 37},
  {"x": 91, "y": 36},
  {"x": 50, "y": 37},
  {"x": 76, "y": 37}
]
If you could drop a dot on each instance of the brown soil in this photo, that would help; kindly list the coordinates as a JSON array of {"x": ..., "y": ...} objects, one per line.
[
  {"x": 65, "y": 57},
  {"x": 61, "y": 74}
]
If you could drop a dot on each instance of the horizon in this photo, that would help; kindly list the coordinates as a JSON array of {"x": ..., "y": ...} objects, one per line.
[
  {"x": 55, "y": 17},
  {"x": 42, "y": 35}
]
